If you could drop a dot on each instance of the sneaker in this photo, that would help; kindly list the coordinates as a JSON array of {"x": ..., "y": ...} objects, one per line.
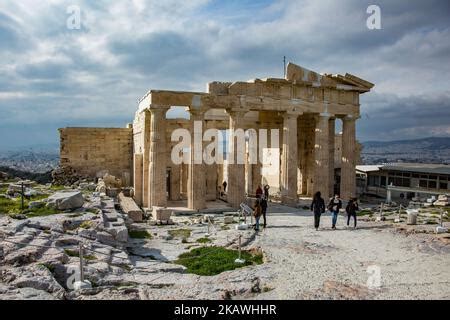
[{"x": 317, "y": 229}]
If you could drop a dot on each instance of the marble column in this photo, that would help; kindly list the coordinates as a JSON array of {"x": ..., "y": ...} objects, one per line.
[
  {"x": 331, "y": 146},
  {"x": 301, "y": 151},
  {"x": 184, "y": 180},
  {"x": 289, "y": 158},
  {"x": 196, "y": 188},
  {"x": 348, "y": 174},
  {"x": 248, "y": 175},
  {"x": 146, "y": 159},
  {"x": 157, "y": 171},
  {"x": 211, "y": 181},
  {"x": 321, "y": 181},
  {"x": 137, "y": 181},
  {"x": 256, "y": 176},
  {"x": 310, "y": 154},
  {"x": 235, "y": 170},
  {"x": 175, "y": 182}
]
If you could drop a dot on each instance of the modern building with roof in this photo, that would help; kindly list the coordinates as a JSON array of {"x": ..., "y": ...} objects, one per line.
[{"x": 404, "y": 181}]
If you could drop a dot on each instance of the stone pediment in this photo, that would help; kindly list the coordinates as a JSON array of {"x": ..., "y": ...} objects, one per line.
[{"x": 301, "y": 75}]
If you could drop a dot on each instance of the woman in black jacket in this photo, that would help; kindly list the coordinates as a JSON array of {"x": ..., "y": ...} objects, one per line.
[
  {"x": 318, "y": 207},
  {"x": 351, "y": 209}
]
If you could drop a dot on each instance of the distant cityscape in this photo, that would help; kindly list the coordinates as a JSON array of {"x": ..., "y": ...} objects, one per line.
[{"x": 428, "y": 150}]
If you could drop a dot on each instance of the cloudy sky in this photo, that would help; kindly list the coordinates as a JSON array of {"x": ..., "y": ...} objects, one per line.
[{"x": 52, "y": 76}]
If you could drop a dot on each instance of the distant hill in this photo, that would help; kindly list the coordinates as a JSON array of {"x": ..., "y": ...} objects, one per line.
[
  {"x": 426, "y": 150},
  {"x": 37, "y": 160}
]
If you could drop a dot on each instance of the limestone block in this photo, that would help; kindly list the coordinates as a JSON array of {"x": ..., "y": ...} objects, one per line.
[
  {"x": 160, "y": 213},
  {"x": 64, "y": 200},
  {"x": 207, "y": 218},
  {"x": 110, "y": 216},
  {"x": 130, "y": 208},
  {"x": 228, "y": 219}
]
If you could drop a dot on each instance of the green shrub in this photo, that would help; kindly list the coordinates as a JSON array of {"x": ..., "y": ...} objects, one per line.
[
  {"x": 204, "y": 240},
  {"x": 139, "y": 234},
  {"x": 209, "y": 261},
  {"x": 180, "y": 233}
]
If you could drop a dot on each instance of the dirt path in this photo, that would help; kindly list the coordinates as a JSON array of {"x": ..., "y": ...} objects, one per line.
[{"x": 327, "y": 264}]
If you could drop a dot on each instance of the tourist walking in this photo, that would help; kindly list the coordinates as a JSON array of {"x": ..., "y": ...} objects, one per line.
[
  {"x": 334, "y": 206},
  {"x": 317, "y": 207},
  {"x": 257, "y": 210},
  {"x": 224, "y": 186},
  {"x": 351, "y": 209},
  {"x": 264, "y": 209}
]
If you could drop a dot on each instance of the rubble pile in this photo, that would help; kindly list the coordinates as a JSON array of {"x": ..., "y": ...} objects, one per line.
[
  {"x": 65, "y": 176},
  {"x": 442, "y": 201},
  {"x": 4, "y": 175}
]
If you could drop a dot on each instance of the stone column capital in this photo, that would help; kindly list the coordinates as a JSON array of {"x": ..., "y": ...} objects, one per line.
[
  {"x": 350, "y": 117},
  {"x": 237, "y": 112},
  {"x": 291, "y": 114},
  {"x": 196, "y": 114},
  {"x": 326, "y": 115}
]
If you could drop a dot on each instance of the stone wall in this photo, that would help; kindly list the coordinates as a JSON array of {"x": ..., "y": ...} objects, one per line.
[{"x": 91, "y": 150}]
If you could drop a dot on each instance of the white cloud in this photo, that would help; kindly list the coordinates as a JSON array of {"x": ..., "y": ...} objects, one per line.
[{"x": 124, "y": 48}]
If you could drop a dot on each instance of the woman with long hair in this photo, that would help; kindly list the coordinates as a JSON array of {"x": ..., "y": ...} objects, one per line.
[{"x": 317, "y": 207}]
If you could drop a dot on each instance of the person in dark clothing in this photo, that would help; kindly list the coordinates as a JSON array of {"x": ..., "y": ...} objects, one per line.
[
  {"x": 351, "y": 209},
  {"x": 318, "y": 207},
  {"x": 224, "y": 186},
  {"x": 334, "y": 206},
  {"x": 266, "y": 191},
  {"x": 259, "y": 192},
  {"x": 264, "y": 209}
]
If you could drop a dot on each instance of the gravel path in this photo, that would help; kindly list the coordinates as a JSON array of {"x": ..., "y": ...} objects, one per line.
[{"x": 336, "y": 264}]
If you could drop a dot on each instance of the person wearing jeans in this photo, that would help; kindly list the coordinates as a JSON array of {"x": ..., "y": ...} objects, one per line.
[
  {"x": 334, "y": 206},
  {"x": 257, "y": 213}
]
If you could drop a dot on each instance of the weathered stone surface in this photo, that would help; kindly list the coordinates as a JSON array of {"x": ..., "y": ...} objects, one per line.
[
  {"x": 130, "y": 208},
  {"x": 36, "y": 204},
  {"x": 160, "y": 213},
  {"x": 66, "y": 200},
  {"x": 110, "y": 216}
]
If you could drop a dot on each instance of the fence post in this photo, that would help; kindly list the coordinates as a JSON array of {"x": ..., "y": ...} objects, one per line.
[
  {"x": 81, "y": 263},
  {"x": 21, "y": 195},
  {"x": 399, "y": 214},
  {"x": 82, "y": 284},
  {"x": 239, "y": 259}
]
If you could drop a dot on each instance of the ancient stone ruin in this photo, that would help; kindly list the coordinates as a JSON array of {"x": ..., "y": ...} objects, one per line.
[{"x": 304, "y": 108}]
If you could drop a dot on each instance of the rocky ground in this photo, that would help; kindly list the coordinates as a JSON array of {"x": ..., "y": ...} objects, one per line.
[{"x": 39, "y": 252}]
